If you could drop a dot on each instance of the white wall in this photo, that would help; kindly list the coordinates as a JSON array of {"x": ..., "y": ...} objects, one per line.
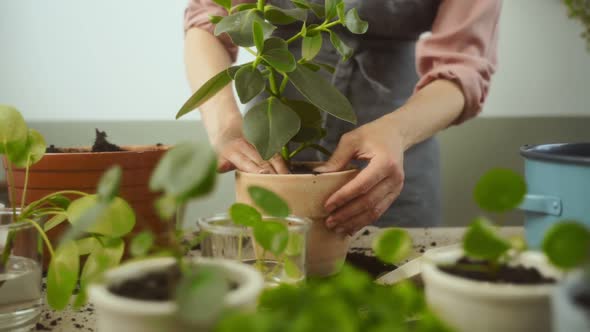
[{"x": 122, "y": 60}]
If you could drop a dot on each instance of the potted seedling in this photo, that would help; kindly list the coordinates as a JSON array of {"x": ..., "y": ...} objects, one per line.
[
  {"x": 97, "y": 224},
  {"x": 80, "y": 168},
  {"x": 163, "y": 289},
  {"x": 278, "y": 125},
  {"x": 491, "y": 283}
]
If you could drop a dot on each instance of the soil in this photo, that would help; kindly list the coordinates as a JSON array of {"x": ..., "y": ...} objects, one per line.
[
  {"x": 583, "y": 300},
  {"x": 102, "y": 145},
  {"x": 302, "y": 169},
  {"x": 365, "y": 261},
  {"x": 479, "y": 270}
]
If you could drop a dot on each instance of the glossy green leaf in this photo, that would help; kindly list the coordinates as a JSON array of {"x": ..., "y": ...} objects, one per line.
[
  {"x": 258, "y": 35},
  {"x": 215, "y": 19},
  {"x": 345, "y": 51},
  {"x": 246, "y": 322},
  {"x": 13, "y": 129},
  {"x": 59, "y": 201},
  {"x": 89, "y": 215},
  {"x": 224, "y": 3},
  {"x": 276, "y": 53},
  {"x": 482, "y": 241},
  {"x": 239, "y": 27},
  {"x": 87, "y": 245},
  {"x": 500, "y": 190},
  {"x": 186, "y": 171},
  {"x": 269, "y": 125},
  {"x": 322, "y": 93},
  {"x": 166, "y": 206},
  {"x": 292, "y": 270},
  {"x": 317, "y": 9},
  {"x": 392, "y": 245},
  {"x": 295, "y": 245},
  {"x": 354, "y": 23},
  {"x": 330, "y": 69},
  {"x": 102, "y": 258},
  {"x": 62, "y": 275},
  {"x": 567, "y": 244},
  {"x": 54, "y": 221},
  {"x": 243, "y": 6},
  {"x": 108, "y": 186},
  {"x": 249, "y": 83},
  {"x": 311, "y": 121},
  {"x": 340, "y": 11},
  {"x": 282, "y": 16},
  {"x": 272, "y": 236},
  {"x": 141, "y": 244},
  {"x": 269, "y": 202},
  {"x": 205, "y": 92},
  {"x": 203, "y": 288},
  {"x": 311, "y": 46},
  {"x": 245, "y": 215},
  {"x": 330, "y": 8},
  {"x": 30, "y": 152},
  {"x": 311, "y": 66}
]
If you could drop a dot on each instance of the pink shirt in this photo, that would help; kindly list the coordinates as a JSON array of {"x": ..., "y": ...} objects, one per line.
[{"x": 461, "y": 48}]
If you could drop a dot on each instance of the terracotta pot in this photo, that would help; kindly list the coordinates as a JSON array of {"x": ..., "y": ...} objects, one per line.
[
  {"x": 81, "y": 171},
  {"x": 306, "y": 195}
]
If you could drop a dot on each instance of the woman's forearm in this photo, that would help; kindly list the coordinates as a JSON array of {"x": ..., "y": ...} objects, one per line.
[
  {"x": 433, "y": 108},
  {"x": 205, "y": 56}
]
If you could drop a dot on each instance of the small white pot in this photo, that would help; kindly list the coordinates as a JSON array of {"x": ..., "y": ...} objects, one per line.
[
  {"x": 117, "y": 313},
  {"x": 568, "y": 316},
  {"x": 470, "y": 305}
]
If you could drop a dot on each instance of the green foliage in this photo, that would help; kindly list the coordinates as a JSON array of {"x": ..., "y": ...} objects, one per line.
[
  {"x": 272, "y": 236},
  {"x": 567, "y": 244},
  {"x": 249, "y": 83},
  {"x": 245, "y": 215},
  {"x": 580, "y": 10},
  {"x": 311, "y": 46},
  {"x": 108, "y": 187},
  {"x": 276, "y": 53},
  {"x": 483, "y": 241},
  {"x": 141, "y": 244},
  {"x": 269, "y": 202},
  {"x": 239, "y": 27},
  {"x": 13, "y": 129},
  {"x": 354, "y": 23},
  {"x": 280, "y": 16},
  {"x": 500, "y": 190},
  {"x": 90, "y": 215},
  {"x": 29, "y": 153},
  {"x": 392, "y": 245},
  {"x": 62, "y": 275}
]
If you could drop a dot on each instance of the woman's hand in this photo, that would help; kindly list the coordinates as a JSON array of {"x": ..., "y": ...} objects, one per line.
[{"x": 364, "y": 199}]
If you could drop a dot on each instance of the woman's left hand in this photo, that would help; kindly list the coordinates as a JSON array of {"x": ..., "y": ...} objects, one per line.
[{"x": 365, "y": 198}]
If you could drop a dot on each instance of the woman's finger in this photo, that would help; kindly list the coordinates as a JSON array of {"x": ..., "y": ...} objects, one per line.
[
  {"x": 362, "y": 203},
  {"x": 248, "y": 150},
  {"x": 356, "y": 223},
  {"x": 279, "y": 165},
  {"x": 245, "y": 164}
]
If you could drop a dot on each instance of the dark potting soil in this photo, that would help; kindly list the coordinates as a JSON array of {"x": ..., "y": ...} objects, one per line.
[
  {"x": 102, "y": 145},
  {"x": 479, "y": 270},
  {"x": 368, "y": 263},
  {"x": 583, "y": 300},
  {"x": 302, "y": 169}
]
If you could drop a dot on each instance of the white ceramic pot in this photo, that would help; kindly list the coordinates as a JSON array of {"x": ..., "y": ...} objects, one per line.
[
  {"x": 117, "y": 313},
  {"x": 476, "y": 306},
  {"x": 567, "y": 316}
]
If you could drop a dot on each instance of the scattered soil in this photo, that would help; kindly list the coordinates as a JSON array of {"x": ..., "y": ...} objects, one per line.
[
  {"x": 583, "y": 300},
  {"x": 102, "y": 145},
  {"x": 302, "y": 169},
  {"x": 368, "y": 263},
  {"x": 41, "y": 327},
  {"x": 153, "y": 286},
  {"x": 479, "y": 270}
]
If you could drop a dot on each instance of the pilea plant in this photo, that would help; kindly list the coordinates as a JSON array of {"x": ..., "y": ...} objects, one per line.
[
  {"x": 97, "y": 222},
  {"x": 580, "y": 10},
  {"x": 276, "y": 121}
]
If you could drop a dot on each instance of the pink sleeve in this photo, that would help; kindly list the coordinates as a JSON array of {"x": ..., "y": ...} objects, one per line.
[
  {"x": 197, "y": 15},
  {"x": 462, "y": 49}
]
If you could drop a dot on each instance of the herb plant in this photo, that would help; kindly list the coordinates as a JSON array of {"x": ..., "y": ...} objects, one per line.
[
  {"x": 97, "y": 222},
  {"x": 275, "y": 122}
]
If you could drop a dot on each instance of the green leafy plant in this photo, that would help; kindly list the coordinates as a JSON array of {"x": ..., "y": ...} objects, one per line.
[
  {"x": 97, "y": 222},
  {"x": 276, "y": 121},
  {"x": 580, "y": 10}
]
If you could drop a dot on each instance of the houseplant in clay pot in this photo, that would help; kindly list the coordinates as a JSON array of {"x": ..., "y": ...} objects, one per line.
[
  {"x": 278, "y": 125},
  {"x": 162, "y": 289},
  {"x": 491, "y": 283},
  {"x": 79, "y": 169},
  {"x": 97, "y": 224}
]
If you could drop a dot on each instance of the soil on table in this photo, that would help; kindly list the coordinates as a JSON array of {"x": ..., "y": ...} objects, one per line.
[
  {"x": 101, "y": 144},
  {"x": 363, "y": 260},
  {"x": 583, "y": 300},
  {"x": 302, "y": 169},
  {"x": 480, "y": 270}
]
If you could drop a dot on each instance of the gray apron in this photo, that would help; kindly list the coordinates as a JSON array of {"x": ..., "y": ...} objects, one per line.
[{"x": 378, "y": 79}]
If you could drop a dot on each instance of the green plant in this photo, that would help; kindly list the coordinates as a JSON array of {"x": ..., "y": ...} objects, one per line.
[
  {"x": 275, "y": 122},
  {"x": 97, "y": 222},
  {"x": 580, "y": 10}
]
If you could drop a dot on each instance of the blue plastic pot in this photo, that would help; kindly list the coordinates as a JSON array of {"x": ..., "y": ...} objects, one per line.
[
  {"x": 558, "y": 179},
  {"x": 567, "y": 315}
]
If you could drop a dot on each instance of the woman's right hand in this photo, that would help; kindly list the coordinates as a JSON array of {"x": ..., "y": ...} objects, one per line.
[{"x": 237, "y": 153}]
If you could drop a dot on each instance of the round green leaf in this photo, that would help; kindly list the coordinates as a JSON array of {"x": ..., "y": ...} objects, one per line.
[
  {"x": 291, "y": 269},
  {"x": 276, "y": 53},
  {"x": 186, "y": 171},
  {"x": 243, "y": 6},
  {"x": 116, "y": 219},
  {"x": 269, "y": 202},
  {"x": 311, "y": 121},
  {"x": 330, "y": 10},
  {"x": 567, "y": 244},
  {"x": 224, "y": 3},
  {"x": 239, "y": 27},
  {"x": 62, "y": 275},
  {"x": 392, "y": 245},
  {"x": 13, "y": 129},
  {"x": 269, "y": 126},
  {"x": 315, "y": 88},
  {"x": 500, "y": 190},
  {"x": 29, "y": 153},
  {"x": 141, "y": 244},
  {"x": 258, "y": 35},
  {"x": 215, "y": 19},
  {"x": 354, "y": 23},
  {"x": 102, "y": 258},
  {"x": 281, "y": 16},
  {"x": 249, "y": 83},
  {"x": 166, "y": 206},
  {"x": 108, "y": 186},
  {"x": 317, "y": 9},
  {"x": 482, "y": 241},
  {"x": 245, "y": 215},
  {"x": 311, "y": 46},
  {"x": 345, "y": 51},
  {"x": 273, "y": 236},
  {"x": 340, "y": 11}
]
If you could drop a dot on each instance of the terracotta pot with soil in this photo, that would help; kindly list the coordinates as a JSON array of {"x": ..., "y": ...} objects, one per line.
[
  {"x": 514, "y": 298},
  {"x": 306, "y": 195},
  {"x": 80, "y": 169}
]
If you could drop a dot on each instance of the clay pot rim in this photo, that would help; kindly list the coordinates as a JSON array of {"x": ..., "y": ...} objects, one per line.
[
  {"x": 127, "y": 149},
  {"x": 350, "y": 169}
]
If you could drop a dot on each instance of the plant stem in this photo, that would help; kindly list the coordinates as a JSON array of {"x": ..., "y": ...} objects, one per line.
[
  {"x": 283, "y": 84},
  {"x": 260, "y": 4},
  {"x": 299, "y": 149},
  {"x": 11, "y": 183},
  {"x": 325, "y": 26},
  {"x": 42, "y": 200},
  {"x": 240, "y": 247},
  {"x": 285, "y": 153},
  {"x": 43, "y": 235},
  {"x": 249, "y": 50},
  {"x": 273, "y": 83},
  {"x": 24, "y": 196},
  {"x": 294, "y": 38}
]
